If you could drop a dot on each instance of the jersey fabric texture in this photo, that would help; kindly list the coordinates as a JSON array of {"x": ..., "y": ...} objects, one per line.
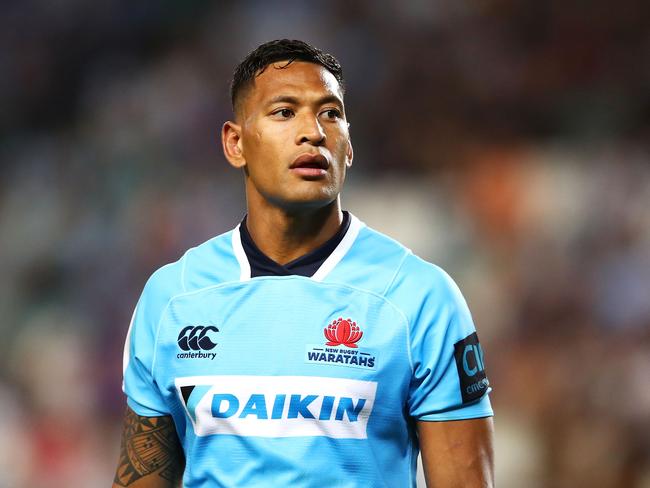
[{"x": 303, "y": 381}]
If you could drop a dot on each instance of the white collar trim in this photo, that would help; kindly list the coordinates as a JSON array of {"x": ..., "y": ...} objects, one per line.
[
  {"x": 238, "y": 249},
  {"x": 321, "y": 273},
  {"x": 341, "y": 250}
]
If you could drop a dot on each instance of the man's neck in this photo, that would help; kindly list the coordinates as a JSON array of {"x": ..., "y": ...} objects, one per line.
[{"x": 284, "y": 236}]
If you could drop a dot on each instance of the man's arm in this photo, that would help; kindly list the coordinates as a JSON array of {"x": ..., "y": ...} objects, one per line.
[
  {"x": 150, "y": 454},
  {"x": 458, "y": 454}
]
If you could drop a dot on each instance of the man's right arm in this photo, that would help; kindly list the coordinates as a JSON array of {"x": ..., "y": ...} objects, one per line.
[{"x": 150, "y": 454}]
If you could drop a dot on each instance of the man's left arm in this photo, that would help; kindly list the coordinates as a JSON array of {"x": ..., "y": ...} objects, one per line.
[
  {"x": 458, "y": 453},
  {"x": 448, "y": 394}
]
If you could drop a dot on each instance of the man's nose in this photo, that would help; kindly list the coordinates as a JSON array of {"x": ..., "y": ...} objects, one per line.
[{"x": 311, "y": 131}]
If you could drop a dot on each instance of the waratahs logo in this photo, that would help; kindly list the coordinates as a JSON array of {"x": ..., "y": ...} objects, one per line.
[
  {"x": 196, "y": 338},
  {"x": 343, "y": 332}
]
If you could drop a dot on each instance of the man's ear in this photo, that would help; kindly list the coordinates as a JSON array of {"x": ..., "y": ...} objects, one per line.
[
  {"x": 349, "y": 154},
  {"x": 232, "y": 144}
]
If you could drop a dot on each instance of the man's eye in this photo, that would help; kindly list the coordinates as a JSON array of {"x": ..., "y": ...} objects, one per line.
[
  {"x": 332, "y": 113},
  {"x": 284, "y": 113}
]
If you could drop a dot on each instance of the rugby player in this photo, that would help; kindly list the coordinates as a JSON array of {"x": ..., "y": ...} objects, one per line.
[{"x": 302, "y": 348}]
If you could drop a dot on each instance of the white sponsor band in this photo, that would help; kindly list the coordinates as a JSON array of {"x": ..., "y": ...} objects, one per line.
[{"x": 278, "y": 406}]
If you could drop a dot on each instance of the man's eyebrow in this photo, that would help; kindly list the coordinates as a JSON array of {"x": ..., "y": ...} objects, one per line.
[
  {"x": 295, "y": 101},
  {"x": 283, "y": 99},
  {"x": 330, "y": 99}
]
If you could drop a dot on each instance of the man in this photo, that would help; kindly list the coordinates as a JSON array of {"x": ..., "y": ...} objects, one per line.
[{"x": 302, "y": 348}]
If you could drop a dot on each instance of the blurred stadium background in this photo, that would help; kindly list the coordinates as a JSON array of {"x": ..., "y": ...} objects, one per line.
[{"x": 507, "y": 141}]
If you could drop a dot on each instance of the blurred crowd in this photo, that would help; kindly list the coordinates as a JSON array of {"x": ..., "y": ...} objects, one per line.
[{"x": 508, "y": 142}]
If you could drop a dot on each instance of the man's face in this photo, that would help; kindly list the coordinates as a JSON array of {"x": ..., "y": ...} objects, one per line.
[{"x": 294, "y": 137}]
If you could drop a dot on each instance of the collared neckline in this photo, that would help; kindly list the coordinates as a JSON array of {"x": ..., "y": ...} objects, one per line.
[{"x": 315, "y": 264}]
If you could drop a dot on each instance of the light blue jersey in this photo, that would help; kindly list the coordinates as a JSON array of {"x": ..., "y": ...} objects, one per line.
[{"x": 303, "y": 381}]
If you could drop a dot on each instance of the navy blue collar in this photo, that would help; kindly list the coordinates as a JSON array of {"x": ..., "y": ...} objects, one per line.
[{"x": 307, "y": 265}]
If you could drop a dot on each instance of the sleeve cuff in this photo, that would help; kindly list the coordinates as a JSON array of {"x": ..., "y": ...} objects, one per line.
[
  {"x": 479, "y": 409},
  {"x": 143, "y": 410}
]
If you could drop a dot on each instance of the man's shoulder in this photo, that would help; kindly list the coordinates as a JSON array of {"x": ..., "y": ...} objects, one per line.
[
  {"x": 210, "y": 263},
  {"x": 374, "y": 250},
  {"x": 378, "y": 263},
  {"x": 387, "y": 251},
  {"x": 373, "y": 237},
  {"x": 410, "y": 271}
]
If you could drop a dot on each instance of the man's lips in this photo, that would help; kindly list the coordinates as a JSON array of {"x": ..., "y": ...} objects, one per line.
[
  {"x": 310, "y": 161},
  {"x": 310, "y": 165}
]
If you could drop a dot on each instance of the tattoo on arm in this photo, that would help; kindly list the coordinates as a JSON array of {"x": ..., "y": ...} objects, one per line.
[{"x": 149, "y": 445}]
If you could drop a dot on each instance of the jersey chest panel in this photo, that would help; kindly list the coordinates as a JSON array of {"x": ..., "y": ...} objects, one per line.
[
  {"x": 289, "y": 327},
  {"x": 275, "y": 359}
]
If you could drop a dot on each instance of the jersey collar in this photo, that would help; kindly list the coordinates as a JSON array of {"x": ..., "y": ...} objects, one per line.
[{"x": 316, "y": 264}]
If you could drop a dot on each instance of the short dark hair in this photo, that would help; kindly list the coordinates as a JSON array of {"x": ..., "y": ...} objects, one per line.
[{"x": 279, "y": 50}]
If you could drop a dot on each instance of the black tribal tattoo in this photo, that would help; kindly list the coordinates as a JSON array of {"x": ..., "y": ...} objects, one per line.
[{"x": 149, "y": 445}]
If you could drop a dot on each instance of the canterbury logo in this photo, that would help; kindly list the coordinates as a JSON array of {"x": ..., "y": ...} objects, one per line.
[{"x": 196, "y": 338}]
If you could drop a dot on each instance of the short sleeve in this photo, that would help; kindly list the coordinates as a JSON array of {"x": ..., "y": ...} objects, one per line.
[
  {"x": 449, "y": 380},
  {"x": 143, "y": 394}
]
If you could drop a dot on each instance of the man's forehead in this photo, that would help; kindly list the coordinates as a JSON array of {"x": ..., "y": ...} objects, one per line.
[{"x": 295, "y": 77}]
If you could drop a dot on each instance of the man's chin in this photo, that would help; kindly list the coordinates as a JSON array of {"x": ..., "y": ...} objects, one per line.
[{"x": 311, "y": 201}]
